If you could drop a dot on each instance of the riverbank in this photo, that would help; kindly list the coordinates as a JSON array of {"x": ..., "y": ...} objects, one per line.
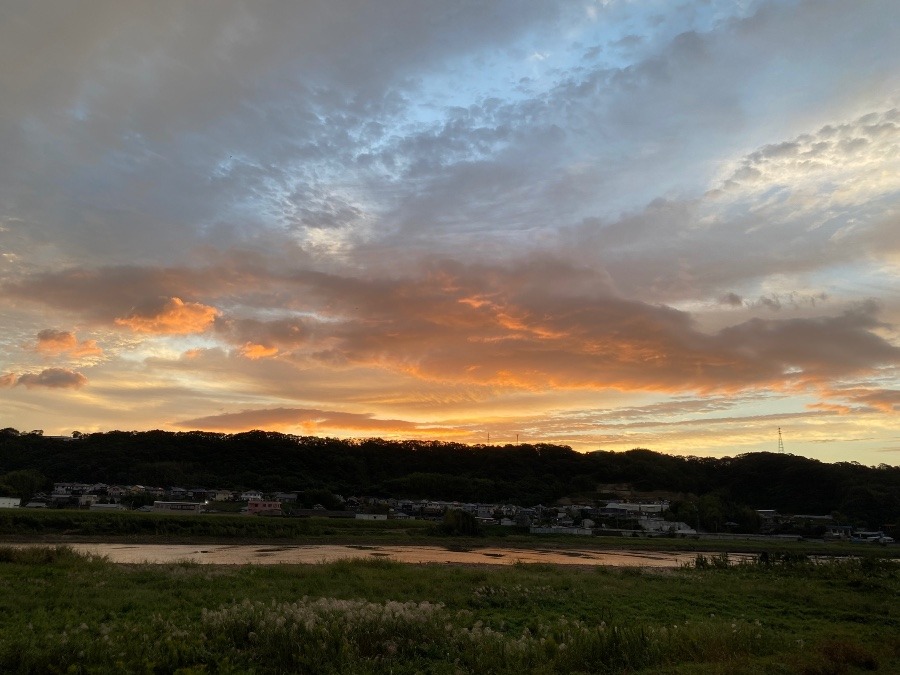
[{"x": 71, "y": 527}]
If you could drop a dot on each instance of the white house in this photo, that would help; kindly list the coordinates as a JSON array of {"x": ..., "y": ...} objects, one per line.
[{"x": 10, "y": 502}]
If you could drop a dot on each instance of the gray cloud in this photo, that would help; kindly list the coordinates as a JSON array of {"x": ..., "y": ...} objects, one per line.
[{"x": 53, "y": 378}]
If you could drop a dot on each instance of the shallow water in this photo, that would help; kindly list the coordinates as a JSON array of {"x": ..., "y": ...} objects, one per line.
[{"x": 287, "y": 554}]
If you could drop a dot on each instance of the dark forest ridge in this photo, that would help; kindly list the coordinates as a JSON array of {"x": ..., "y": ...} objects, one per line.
[{"x": 525, "y": 474}]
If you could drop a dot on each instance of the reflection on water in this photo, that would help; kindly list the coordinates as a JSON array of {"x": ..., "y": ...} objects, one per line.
[{"x": 272, "y": 555}]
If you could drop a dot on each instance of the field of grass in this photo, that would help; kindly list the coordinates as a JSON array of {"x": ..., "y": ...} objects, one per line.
[
  {"x": 65, "y": 613},
  {"x": 22, "y": 524}
]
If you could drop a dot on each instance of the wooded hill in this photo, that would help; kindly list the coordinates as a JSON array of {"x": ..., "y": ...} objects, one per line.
[{"x": 526, "y": 474}]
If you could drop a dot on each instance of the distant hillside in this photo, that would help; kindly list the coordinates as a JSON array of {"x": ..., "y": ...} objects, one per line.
[{"x": 525, "y": 474}]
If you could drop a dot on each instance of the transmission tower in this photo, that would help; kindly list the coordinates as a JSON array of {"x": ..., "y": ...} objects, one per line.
[{"x": 780, "y": 442}]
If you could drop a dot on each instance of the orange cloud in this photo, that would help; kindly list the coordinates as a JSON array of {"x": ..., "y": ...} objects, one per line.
[
  {"x": 309, "y": 419},
  {"x": 831, "y": 407},
  {"x": 253, "y": 351},
  {"x": 884, "y": 400},
  {"x": 545, "y": 338},
  {"x": 170, "y": 316},
  {"x": 53, "y": 378},
  {"x": 536, "y": 324},
  {"x": 8, "y": 380},
  {"x": 54, "y": 342}
]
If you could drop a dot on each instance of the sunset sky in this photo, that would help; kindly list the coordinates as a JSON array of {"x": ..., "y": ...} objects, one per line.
[{"x": 603, "y": 223}]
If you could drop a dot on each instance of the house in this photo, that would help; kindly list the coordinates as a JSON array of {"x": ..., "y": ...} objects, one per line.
[
  {"x": 252, "y": 495},
  {"x": 10, "y": 502},
  {"x": 485, "y": 511},
  {"x": 143, "y": 489},
  {"x": 371, "y": 516},
  {"x": 838, "y": 531},
  {"x": 661, "y": 526},
  {"x": 619, "y": 509},
  {"x": 70, "y": 488}
]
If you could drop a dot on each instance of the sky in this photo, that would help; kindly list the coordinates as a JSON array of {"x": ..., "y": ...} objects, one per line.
[{"x": 602, "y": 223}]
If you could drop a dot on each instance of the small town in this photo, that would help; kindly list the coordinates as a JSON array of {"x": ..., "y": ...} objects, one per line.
[{"x": 612, "y": 518}]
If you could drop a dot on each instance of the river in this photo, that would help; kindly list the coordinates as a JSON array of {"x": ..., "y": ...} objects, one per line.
[{"x": 310, "y": 554}]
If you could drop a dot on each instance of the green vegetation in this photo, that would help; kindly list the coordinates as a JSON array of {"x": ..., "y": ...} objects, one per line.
[
  {"x": 28, "y": 524},
  {"x": 707, "y": 491},
  {"x": 65, "y": 613},
  {"x": 459, "y": 522}
]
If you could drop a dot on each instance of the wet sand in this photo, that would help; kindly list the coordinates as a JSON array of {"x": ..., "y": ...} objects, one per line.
[{"x": 217, "y": 554}]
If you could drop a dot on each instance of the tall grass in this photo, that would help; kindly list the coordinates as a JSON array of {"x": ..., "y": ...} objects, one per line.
[
  {"x": 331, "y": 635},
  {"x": 64, "y": 613}
]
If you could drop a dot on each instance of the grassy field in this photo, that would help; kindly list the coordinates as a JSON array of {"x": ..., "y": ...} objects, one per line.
[
  {"x": 146, "y": 527},
  {"x": 64, "y": 613}
]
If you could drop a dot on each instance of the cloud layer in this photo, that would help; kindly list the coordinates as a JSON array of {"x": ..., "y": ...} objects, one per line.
[{"x": 601, "y": 222}]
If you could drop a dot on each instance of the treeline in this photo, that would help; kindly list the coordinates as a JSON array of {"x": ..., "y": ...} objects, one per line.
[{"x": 526, "y": 474}]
